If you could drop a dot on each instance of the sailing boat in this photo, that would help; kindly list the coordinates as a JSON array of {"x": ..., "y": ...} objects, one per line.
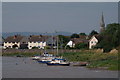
[
  {"x": 45, "y": 57},
  {"x": 58, "y": 61}
]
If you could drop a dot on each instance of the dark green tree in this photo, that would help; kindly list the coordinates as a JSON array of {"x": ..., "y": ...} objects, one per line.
[
  {"x": 63, "y": 40},
  {"x": 93, "y": 32},
  {"x": 83, "y": 34},
  {"x": 81, "y": 46},
  {"x": 110, "y": 37},
  {"x": 74, "y": 35}
]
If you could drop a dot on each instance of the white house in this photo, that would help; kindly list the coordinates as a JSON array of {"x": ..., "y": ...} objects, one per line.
[
  {"x": 92, "y": 42},
  {"x": 24, "y": 42},
  {"x": 75, "y": 41},
  {"x": 71, "y": 44},
  {"x": 12, "y": 42},
  {"x": 37, "y": 41}
]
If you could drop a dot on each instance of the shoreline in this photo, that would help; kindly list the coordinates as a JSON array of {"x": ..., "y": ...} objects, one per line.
[{"x": 72, "y": 64}]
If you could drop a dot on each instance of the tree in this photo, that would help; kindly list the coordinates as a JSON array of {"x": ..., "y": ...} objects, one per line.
[
  {"x": 93, "y": 32},
  {"x": 81, "y": 46},
  {"x": 63, "y": 40},
  {"x": 111, "y": 37},
  {"x": 74, "y": 35},
  {"x": 83, "y": 34}
]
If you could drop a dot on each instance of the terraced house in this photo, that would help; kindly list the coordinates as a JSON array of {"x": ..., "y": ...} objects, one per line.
[{"x": 24, "y": 42}]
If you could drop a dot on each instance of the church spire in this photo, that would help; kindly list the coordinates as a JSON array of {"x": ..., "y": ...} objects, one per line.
[{"x": 102, "y": 24}]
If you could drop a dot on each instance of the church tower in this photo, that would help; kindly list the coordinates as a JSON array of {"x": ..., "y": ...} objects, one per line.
[{"x": 102, "y": 24}]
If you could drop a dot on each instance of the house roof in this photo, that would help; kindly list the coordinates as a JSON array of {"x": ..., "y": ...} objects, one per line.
[
  {"x": 31, "y": 38},
  {"x": 15, "y": 38},
  {"x": 36, "y": 38},
  {"x": 97, "y": 36},
  {"x": 79, "y": 40},
  {"x": 24, "y": 39}
]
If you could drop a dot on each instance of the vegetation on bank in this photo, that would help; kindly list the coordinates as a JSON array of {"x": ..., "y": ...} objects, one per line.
[
  {"x": 96, "y": 60},
  {"x": 25, "y": 54}
]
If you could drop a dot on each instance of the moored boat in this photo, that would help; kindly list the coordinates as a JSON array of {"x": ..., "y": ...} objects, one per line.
[
  {"x": 58, "y": 62},
  {"x": 35, "y": 57},
  {"x": 45, "y": 58}
]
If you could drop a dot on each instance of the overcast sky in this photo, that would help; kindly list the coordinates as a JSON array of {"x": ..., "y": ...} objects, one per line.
[{"x": 48, "y": 17}]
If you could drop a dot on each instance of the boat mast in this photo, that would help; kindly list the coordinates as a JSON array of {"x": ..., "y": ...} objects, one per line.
[
  {"x": 57, "y": 42},
  {"x": 45, "y": 41}
]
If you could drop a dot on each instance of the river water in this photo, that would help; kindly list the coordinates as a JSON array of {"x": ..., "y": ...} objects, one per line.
[{"x": 16, "y": 67}]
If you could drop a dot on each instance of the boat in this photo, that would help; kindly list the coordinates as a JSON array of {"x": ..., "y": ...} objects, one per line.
[
  {"x": 81, "y": 64},
  {"x": 45, "y": 58},
  {"x": 58, "y": 62},
  {"x": 36, "y": 57}
]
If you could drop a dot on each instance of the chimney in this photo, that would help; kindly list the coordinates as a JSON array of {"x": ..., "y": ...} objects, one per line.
[{"x": 15, "y": 36}]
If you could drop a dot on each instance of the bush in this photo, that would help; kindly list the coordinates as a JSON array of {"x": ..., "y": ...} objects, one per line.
[
  {"x": 34, "y": 47},
  {"x": 81, "y": 46}
]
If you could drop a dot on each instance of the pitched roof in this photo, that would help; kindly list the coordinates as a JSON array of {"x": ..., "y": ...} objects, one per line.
[
  {"x": 36, "y": 38},
  {"x": 98, "y": 37},
  {"x": 79, "y": 40},
  {"x": 15, "y": 38}
]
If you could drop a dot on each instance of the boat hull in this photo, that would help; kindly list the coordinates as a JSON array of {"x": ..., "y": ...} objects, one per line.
[
  {"x": 43, "y": 61},
  {"x": 57, "y": 64}
]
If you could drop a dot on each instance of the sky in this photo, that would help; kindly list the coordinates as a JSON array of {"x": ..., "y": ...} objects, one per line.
[{"x": 75, "y": 17}]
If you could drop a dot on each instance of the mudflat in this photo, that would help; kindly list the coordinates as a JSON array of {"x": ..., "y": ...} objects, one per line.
[{"x": 24, "y": 67}]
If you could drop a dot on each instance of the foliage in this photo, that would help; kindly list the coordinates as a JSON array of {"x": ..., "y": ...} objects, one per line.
[
  {"x": 63, "y": 40},
  {"x": 68, "y": 47},
  {"x": 95, "y": 60},
  {"x": 83, "y": 34},
  {"x": 81, "y": 46},
  {"x": 93, "y": 32},
  {"x": 111, "y": 37},
  {"x": 25, "y": 54},
  {"x": 74, "y": 35},
  {"x": 34, "y": 47}
]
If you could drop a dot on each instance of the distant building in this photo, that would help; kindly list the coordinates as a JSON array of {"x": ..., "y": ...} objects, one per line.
[
  {"x": 33, "y": 41},
  {"x": 94, "y": 40},
  {"x": 1, "y": 42},
  {"x": 74, "y": 41},
  {"x": 102, "y": 24},
  {"x": 37, "y": 41},
  {"x": 71, "y": 44},
  {"x": 12, "y": 42}
]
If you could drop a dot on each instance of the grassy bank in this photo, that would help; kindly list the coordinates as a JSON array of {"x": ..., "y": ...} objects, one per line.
[
  {"x": 26, "y": 54},
  {"x": 96, "y": 60}
]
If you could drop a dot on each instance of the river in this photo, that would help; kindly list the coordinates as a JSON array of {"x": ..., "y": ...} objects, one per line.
[{"x": 16, "y": 67}]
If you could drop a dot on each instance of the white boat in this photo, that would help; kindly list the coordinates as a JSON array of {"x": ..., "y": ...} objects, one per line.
[
  {"x": 36, "y": 57},
  {"x": 58, "y": 62},
  {"x": 46, "y": 58}
]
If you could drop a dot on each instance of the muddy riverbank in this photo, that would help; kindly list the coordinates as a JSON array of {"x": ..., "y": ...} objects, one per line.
[{"x": 15, "y": 67}]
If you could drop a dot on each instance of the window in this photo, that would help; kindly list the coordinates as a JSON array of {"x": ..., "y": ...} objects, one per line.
[
  {"x": 13, "y": 42},
  {"x": 91, "y": 41}
]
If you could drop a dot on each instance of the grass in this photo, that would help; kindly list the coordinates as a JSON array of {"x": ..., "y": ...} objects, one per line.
[
  {"x": 96, "y": 60},
  {"x": 24, "y": 54}
]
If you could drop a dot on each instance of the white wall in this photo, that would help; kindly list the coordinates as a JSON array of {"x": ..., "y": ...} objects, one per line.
[
  {"x": 40, "y": 45},
  {"x": 10, "y": 44},
  {"x": 71, "y": 44},
  {"x": 93, "y": 41}
]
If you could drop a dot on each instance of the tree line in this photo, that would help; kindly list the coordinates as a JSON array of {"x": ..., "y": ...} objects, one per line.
[{"x": 109, "y": 38}]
